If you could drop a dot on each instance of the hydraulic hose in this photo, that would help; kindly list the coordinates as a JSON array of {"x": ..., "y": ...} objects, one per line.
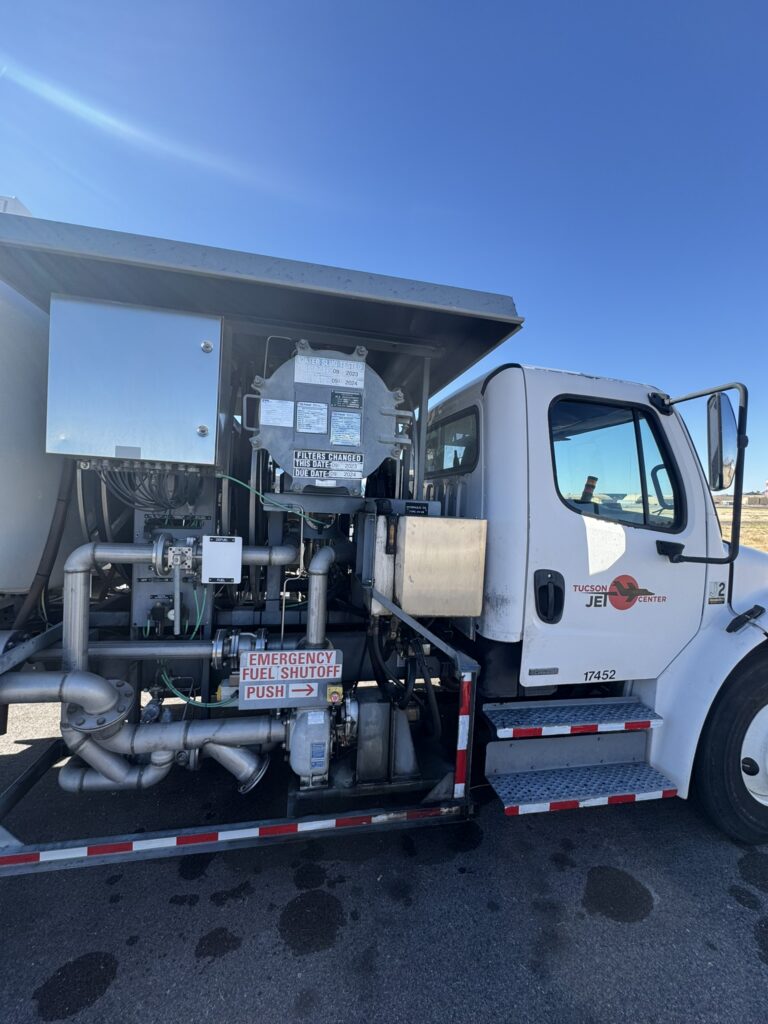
[
  {"x": 437, "y": 728},
  {"x": 388, "y": 686},
  {"x": 410, "y": 683},
  {"x": 52, "y": 544}
]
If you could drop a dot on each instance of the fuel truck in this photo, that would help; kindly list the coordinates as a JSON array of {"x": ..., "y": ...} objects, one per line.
[{"x": 245, "y": 558}]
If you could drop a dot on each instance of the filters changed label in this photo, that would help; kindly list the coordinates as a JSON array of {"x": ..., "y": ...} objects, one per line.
[{"x": 322, "y": 465}]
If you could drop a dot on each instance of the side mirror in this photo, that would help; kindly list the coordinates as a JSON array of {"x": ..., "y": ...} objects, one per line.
[{"x": 722, "y": 446}]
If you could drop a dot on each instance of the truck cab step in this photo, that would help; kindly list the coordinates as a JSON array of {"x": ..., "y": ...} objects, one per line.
[
  {"x": 531, "y": 719},
  {"x": 563, "y": 789}
]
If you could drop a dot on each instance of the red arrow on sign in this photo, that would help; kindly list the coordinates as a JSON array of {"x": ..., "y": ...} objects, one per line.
[{"x": 307, "y": 690}]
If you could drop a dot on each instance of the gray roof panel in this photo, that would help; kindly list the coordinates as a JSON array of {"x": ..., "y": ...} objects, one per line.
[{"x": 40, "y": 258}]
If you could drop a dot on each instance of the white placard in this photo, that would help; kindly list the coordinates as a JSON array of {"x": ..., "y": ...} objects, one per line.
[
  {"x": 311, "y": 417},
  {"x": 345, "y": 428},
  {"x": 290, "y": 666},
  {"x": 346, "y": 373},
  {"x": 222, "y": 559},
  {"x": 275, "y": 412}
]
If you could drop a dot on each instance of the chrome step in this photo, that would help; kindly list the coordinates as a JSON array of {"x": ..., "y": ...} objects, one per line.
[
  {"x": 564, "y": 789},
  {"x": 532, "y": 719}
]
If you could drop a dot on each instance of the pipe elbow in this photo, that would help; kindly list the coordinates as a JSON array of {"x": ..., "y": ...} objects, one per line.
[
  {"x": 95, "y": 694},
  {"x": 322, "y": 561},
  {"x": 88, "y": 556},
  {"x": 82, "y": 559}
]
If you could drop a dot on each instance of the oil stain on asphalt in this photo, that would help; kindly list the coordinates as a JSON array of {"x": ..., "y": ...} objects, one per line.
[
  {"x": 309, "y": 875},
  {"x": 217, "y": 943},
  {"x": 75, "y": 986},
  {"x": 745, "y": 897},
  {"x": 616, "y": 894},
  {"x": 194, "y": 866},
  {"x": 238, "y": 894},
  {"x": 311, "y": 922},
  {"x": 753, "y": 868}
]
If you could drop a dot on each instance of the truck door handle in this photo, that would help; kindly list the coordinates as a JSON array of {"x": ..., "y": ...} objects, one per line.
[{"x": 549, "y": 588}]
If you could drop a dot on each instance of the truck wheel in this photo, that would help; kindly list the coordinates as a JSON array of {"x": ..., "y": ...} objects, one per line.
[{"x": 731, "y": 772}]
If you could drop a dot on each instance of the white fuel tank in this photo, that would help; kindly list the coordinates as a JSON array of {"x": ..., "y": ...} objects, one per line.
[{"x": 29, "y": 478}]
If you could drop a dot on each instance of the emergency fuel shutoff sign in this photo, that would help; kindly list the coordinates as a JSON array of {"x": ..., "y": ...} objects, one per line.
[{"x": 279, "y": 678}]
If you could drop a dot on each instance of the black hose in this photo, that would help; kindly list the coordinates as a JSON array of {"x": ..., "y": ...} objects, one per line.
[
  {"x": 437, "y": 728},
  {"x": 387, "y": 685},
  {"x": 410, "y": 683},
  {"x": 52, "y": 544}
]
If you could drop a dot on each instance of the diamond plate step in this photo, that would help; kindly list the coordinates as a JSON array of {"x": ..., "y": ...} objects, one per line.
[
  {"x": 564, "y": 789},
  {"x": 569, "y": 717}
]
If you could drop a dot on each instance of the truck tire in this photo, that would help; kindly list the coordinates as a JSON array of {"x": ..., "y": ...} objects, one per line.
[{"x": 731, "y": 769}]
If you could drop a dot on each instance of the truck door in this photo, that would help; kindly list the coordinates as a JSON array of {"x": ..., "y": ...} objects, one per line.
[{"x": 609, "y": 477}]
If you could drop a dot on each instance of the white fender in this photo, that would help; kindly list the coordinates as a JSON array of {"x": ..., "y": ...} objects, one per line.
[{"x": 684, "y": 692}]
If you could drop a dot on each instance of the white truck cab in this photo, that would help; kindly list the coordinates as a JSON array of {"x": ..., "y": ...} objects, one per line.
[{"x": 606, "y": 567}]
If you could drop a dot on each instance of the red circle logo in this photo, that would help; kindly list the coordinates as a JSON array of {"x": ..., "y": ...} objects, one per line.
[{"x": 623, "y": 592}]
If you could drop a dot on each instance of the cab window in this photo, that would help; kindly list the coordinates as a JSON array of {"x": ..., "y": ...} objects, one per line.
[
  {"x": 452, "y": 444},
  {"x": 609, "y": 463}
]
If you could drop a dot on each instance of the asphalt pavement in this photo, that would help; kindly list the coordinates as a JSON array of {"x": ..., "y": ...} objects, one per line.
[{"x": 630, "y": 914}]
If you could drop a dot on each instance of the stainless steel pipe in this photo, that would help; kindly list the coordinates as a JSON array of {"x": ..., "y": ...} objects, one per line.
[
  {"x": 317, "y": 595},
  {"x": 278, "y": 554},
  {"x": 76, "y": 778},
  {"x": 187, "y": 735},
  {"x": 83, "y": 560},
  {"x": 137, "y": 650},
  {"x": 107, "y": 767},
  {"x": 247, "y": 767},
  {"x": 93, "y": 693},
  {"x": 77, "y": 587}
]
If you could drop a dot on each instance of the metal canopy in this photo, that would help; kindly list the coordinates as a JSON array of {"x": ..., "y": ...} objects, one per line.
[{"x": 40, "y": 257}]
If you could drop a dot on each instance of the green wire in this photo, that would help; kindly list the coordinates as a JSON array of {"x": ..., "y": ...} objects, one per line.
[
  {"x": 270, "y": 501},
  {"x": 195, "y": 703},
  {"x": 200, "y": 611}
]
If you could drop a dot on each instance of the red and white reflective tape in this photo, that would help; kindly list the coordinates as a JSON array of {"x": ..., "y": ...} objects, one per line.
[
  {"x": 596, "y": 801},
  {"x": 534, "y": 732},
  {"x": 229, "y": 835},
  {"x": 462, "y": 743}
]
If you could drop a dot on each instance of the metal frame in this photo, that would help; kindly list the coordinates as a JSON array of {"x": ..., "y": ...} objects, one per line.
[
  {"x": 24, "y": 859},
  {"x": 18, "y": 857}
]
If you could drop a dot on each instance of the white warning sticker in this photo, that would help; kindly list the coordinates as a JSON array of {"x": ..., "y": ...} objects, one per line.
[
  {"x": 345, "y": 428},
  {"x": 346, "y": 373},
  {"x": 293, "y": 668},
  {"x": 275, "y": 412},
  {"x": 319, "y": 465},
  {"x": 312, "y": 417},
  {"x": 287, "y": 678}
]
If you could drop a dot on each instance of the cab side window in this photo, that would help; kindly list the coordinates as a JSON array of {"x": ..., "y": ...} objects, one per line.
[
  {"x": 452, "y": 444},
  {"x": 609, "y": 463}
]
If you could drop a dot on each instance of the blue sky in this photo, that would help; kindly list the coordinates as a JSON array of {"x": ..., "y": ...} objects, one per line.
[{"x": 605, "y": 163}]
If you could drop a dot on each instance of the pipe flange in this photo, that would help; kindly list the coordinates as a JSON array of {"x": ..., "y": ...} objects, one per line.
[
  {"x": 256, "y": 778},
  {"x": 160, "y": 563},
  {"x": 79, "y": 719},
  {"x": 218, "y": 650}
]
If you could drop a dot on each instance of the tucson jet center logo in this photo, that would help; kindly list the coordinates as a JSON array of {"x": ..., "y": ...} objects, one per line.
[{"x": 623, "y": 593}]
